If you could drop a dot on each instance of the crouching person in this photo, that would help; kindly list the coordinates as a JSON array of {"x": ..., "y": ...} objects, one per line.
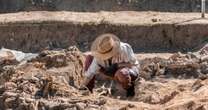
[{"x": 113, "y": 58}]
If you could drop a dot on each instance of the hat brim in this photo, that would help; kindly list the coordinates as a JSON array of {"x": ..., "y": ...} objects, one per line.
[{"x": 115, "y": 50}]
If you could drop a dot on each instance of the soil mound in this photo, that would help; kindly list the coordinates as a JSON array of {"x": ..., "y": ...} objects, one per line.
[
  {"x": 48, "y": 81},
  {"x": 51, "y": 80}
]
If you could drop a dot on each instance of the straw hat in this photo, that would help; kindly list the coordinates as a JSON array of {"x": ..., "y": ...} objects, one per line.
[{"x": 105, "y": 46}]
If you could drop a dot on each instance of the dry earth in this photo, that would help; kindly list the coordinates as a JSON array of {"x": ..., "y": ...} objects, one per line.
[
  {"x": 145, "y": 31},
  {"x": 118, "y": 17},
  {"x": 51, "y": 81}
]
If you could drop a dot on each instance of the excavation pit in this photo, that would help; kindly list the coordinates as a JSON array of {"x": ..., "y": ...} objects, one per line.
[{"x": 48, "y": 83}]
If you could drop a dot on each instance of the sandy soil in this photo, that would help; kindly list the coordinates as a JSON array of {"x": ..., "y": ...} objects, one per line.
[{"x": 120, "y": 17}]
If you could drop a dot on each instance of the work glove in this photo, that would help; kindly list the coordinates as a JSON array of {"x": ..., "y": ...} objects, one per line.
[{"x": 109, "y": 71}]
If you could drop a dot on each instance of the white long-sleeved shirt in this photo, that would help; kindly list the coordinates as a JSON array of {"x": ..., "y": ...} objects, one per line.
[{"x": 126, "y": 55}]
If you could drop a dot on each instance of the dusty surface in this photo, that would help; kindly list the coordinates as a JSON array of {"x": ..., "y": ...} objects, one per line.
[
  {"x": 51, "y": 80},
  {"x": 119, "y": 18},
  {"x": 145, "y": 31},
  {"x": 98, "y": 5}
]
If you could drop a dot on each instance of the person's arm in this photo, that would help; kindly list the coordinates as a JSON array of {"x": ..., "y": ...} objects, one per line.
[
  {"x": 109, "y": 71},
  {"x": 90, "y": 73},
  {"x": 132, "y": 60}
]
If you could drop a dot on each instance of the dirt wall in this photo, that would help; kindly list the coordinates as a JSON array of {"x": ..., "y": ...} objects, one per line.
[
  {"x": 160, "y": 37},
  {"x": 98, "y": 5}
]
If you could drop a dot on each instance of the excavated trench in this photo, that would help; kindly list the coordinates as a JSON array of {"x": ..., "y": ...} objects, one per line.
[
  {"x": 145, "y": 31},
  {"x": 162, "y": 37},
  {"x": 51, "y": 80}
]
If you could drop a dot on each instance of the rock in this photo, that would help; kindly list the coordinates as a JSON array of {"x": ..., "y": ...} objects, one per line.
[
  {"x": 202, "y": 107},
  {"x": 10, "y": 102},
  {"x": 155, "y": 20},
  {"x": 152, "y": 67},
  {"x": 9, "y": 94},
  {"x": 10, "y": 85},
  {"x": 52, "y": 58},
  {"x": 185, "y": 105},
  {"x": 197, "y": 85},
  {"x": 7, "y": 58},
  {"x": 204, "y": 50},
  {"x": 81, "y": 106},
  {"x": 101, "y": 101},
  {"x": 7, "y": 74}
]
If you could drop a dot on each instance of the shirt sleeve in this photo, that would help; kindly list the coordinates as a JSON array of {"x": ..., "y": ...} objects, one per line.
[
  {"x": 92, "y": 70},
  {"x": 131, "y": 56}
]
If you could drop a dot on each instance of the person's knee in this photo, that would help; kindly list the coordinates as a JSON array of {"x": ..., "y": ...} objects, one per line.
[
  {"x": 134, "y": 72},
  {"x": 123, "y": 77}
]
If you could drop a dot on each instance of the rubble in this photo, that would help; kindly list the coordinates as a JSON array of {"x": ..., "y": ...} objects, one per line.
[
  {"x": 13, "y": 57},
  {"x": 178, "y": 66},
  {"x": 36, "y": 85},
  {"x": 179, "y": 82},
  {"x": 51, "y": 81}
]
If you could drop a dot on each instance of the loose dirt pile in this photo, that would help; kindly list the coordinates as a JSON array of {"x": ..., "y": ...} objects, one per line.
[
  {"x": 51, "y": 81},
  {"x": 46, "y": 82},
  {"x": 178, "y": 83}
]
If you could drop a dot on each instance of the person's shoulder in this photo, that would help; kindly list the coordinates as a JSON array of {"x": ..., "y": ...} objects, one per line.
[{"x": 125, "y": 45}]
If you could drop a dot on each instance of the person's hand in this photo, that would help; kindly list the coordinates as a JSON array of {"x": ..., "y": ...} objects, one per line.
[
  {"x": 84, "y": 84},
  {"x": 109, "y": 71},
  {"x": 102, "y": 69},
  {"x": 112, "y": 69}
]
